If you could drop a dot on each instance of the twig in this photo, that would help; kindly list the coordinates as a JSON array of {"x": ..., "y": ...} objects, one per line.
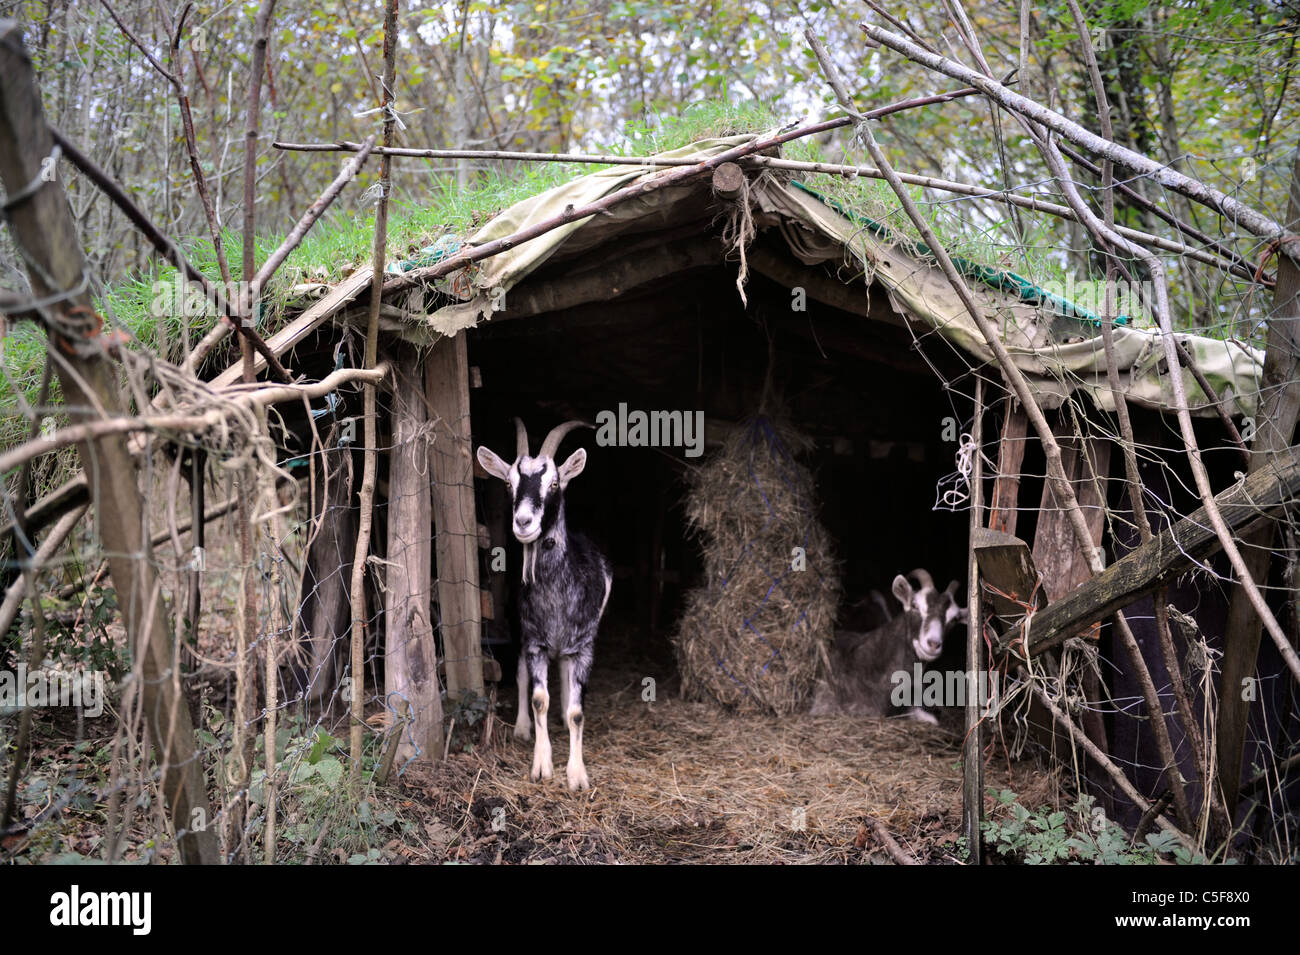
[
  {"x": 896, "y": 852},
  {"x": 167, "y": 249},
  {"x": 1234, "y": 210},
  {"x": 53, "y": 541},
  {"x": 1104, "y": 761},
  {"x": 1142, "y": 202},
  {"x": 185, "y": 422},
  {"x": 261, "y": 31},
  {"x": 1024, "y": 202},
  {"x": 308, "y": 219},
  {"x": 1186, "y": 360}
]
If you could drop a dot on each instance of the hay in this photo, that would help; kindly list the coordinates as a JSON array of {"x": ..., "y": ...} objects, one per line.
[{"x": 754, "y": 637}]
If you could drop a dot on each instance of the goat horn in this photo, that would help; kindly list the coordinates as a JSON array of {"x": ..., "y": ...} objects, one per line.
[
  {"x": 552, "y": 442},
  {"x": 924, "y": 578},
  {"x": 521, "y": 439}
]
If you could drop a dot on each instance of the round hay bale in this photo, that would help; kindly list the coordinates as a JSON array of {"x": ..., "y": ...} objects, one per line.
[{"x": 754, "y": 637}]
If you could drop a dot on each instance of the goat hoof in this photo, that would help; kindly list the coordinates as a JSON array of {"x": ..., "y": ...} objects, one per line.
[
  {"x": 577, "y": 778},
  {"x": 542, "y": 773},
  {"x": 523, "y": 731}
]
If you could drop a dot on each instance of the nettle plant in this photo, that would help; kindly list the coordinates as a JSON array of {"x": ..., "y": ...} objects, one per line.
[{"x": 1082, "y": 834}]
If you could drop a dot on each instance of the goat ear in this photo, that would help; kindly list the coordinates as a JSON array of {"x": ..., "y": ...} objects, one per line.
[
  {"x": 903, "y": 591},
  {"x": 573, "y": 466},
  {"x": 952, "y": 589},
  {"x": 492, "y": 464}
]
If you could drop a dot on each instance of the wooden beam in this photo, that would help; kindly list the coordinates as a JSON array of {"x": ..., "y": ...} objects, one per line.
[
  {"x": 1009, "y": 579},
  {"x": 609, "y": 280},
  {"x": 850, "y": 297},
  {"x": 410, "y": 655},
  {"x": 302, "y": 326},
  {"x": 451, "y": 465},
  {"x": 1246, "y": 504}
]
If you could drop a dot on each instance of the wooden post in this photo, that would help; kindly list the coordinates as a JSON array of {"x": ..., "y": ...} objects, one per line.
[
  {"x": 410, "y": 658},
  {"x": 42, "y": 226},
  {"x": 1011, "y": 456},
  {"x": 1056, "y": 550},
  {"x": 972, "y": 790},
  {"x": 325, "y": 605},
  {"x": 451, "y": 465}
]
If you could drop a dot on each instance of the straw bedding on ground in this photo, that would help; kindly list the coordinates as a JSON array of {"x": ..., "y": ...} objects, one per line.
[{"x": 680, "y": 781}]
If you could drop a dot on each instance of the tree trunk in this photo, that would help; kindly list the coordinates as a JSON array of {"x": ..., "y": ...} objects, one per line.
[
  {"x": 43, "y": 227},
  {"x": 1274, "y": 427}
]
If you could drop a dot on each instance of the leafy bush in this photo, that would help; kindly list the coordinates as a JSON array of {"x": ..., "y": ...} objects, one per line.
[{"x": 1081, "y": 835}]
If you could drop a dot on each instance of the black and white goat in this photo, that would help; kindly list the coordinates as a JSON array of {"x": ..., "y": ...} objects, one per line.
[
  {"x": 566, "y": 584},
  {"x": 863, "y": 666}
]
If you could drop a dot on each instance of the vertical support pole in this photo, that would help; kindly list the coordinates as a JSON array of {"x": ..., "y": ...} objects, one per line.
[
  {"x": 972, "y": 789},
  {"x": 451, "y": 465},
  {"x": 410, "y": 655}
]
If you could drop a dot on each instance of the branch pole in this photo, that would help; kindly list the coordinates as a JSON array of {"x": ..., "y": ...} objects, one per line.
[{"x": 370, "y": 463}]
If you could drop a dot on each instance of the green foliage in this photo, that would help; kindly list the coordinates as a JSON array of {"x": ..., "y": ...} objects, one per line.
[
  {"x": 467, "y": 711},
  {"x": 312, "y": 799},
  {"x": 75, "y": 632},
  {"x": 1081, "y": 835}
]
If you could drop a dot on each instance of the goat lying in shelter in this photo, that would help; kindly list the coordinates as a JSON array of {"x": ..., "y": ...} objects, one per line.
[
  {"x": 863, "y": 666},
  {"x": 566, "y": 583}
]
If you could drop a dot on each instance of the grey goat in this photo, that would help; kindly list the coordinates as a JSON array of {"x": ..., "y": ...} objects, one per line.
[
  {"x": 566, "y": 582},
  {"x": 863, "y": 666}
]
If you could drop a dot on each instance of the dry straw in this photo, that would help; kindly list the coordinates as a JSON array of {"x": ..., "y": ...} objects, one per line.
[{"x": 753, "y": 637}]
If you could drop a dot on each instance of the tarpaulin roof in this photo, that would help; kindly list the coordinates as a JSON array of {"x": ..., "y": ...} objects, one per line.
[{"x": 1058, "y": 354}]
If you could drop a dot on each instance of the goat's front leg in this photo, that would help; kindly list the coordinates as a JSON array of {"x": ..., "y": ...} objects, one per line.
[
  {"x": 572, "y": 678},
  {"x": 523, "y": 725},
  {"x": 537, "y": 669}
]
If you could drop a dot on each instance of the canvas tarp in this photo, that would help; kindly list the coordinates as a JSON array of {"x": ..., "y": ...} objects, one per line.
[{"x": 1055, "y": 365}]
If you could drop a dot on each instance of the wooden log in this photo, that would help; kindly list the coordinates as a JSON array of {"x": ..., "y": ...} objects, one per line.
[
  {"x": 410, "y": 656},
  {"x": 1246, "y": 504},
  {"x": 40, "y": 220},
  {"x": 1004, "y": 504},
  {"x": 728, "y": 180},
  {"x": 451, "y": 465}
]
